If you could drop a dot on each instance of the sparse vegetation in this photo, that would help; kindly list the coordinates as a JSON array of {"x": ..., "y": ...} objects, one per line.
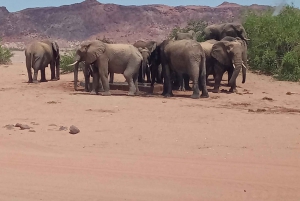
[
  {"x": 274, "y": 48},
  {"x": 5, "y": 54},
  {"x": 66, "y": 59}
]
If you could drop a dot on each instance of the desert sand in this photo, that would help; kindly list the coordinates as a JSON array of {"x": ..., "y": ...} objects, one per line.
[{"x": 228, "y": 147}]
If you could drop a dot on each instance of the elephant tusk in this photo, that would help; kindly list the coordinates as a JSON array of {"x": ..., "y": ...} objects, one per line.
[
  {"x": 244, "y": 66},
  {"x": 233, "y": 65},
  {"x": 73, "y": 63}
]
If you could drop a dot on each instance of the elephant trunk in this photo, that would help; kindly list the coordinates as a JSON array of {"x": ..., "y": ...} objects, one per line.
[
  {"x": 76, "y": 76},
  {"x": 244, "y": 69},
  {"x": 237, "y": 64}
]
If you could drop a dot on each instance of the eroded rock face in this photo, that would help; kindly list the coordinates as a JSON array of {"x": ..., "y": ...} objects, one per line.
[{"x": 91, "y": 19}]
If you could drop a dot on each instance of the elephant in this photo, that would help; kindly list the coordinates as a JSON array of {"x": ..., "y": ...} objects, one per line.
[
  {"x": 145, "y": 68},
  {"x": 39, "y": 55},
  {"x": 227, "y": 56},
  {"x": 153, "y": 60},
  {"x": 219, "y": 31},
  {"x": 184, "y": 56},
  {"x": 109, "y": 58}
]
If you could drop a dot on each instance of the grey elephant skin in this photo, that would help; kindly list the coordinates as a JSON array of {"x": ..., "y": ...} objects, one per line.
[
  {"x": 152, "y": 57},
  {"x": 109, "y": 58},
  {"x": 192, "y": 35},
  {"x": 219, "y": 31},
  {"x": 39, "y": 55},
  {"x": 226, "y": 55},
  {"x": 184, "y": 56}
]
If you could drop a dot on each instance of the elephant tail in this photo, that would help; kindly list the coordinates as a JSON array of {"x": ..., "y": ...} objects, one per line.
[
  {"x": 202, "y": 72},
  {"x": 29, "y": 60}
]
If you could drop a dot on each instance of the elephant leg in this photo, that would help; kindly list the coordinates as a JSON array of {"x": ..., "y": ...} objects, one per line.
[
  {"x": 230, "y": 72},
  {"x": 43, "y": 75},
  {"x": 233, "y": 86},
  {"x": 148, "y": 75},
  {"x": 167, "y": 82},
  {"x": 186, "y": 80},
  {"x": 181, "y": 82},
  {"x": 141, "y": 75},
  {"x": 195, "y": 76},
  {"x": 104, "y": 79},
  {"x": 159, "y": 74},
  {"x": 95, "y": 89},
  {"x": 87, "y": 79},
  {"x": 30, "y": 80},
  {"x": 218, "y": 79},
  {"x": 111, "y": 77},
  {"x": 52, "y": 68},
  {"x": 28, "y": 66},
  {"x": 128, "y": 74},
  {"x": 35, "y": 74},
  {"x": 57, "y": 71},
  {"x": 135, "y": 81}
]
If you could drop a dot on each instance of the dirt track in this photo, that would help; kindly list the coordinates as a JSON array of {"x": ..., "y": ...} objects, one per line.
[{"x": 148, "y": 148}]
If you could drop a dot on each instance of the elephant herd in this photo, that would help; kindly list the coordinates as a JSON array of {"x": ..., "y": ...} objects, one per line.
[{"x": 173, "y": 62}]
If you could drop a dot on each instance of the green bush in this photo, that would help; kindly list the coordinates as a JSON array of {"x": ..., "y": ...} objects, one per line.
[
  {"x": 66, "y": 59},
  {"x": 5, "y": 54},
  {"x": 274, "y": 47}
]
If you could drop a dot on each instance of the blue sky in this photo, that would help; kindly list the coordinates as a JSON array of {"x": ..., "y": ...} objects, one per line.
[{"x": 16, "y": 5}]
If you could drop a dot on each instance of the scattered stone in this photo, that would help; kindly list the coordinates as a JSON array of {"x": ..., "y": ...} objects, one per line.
[
  {"x": 52, "y": 102},
  {"x": 63, "y": 128},
  {"x": 164, "y": 101},
  {"x": 52, "y": 125},
  {"x": 261, "y": 110},
  {"x": 9, "y": 127},
  {"x": 290, "y": 93},
  {"x": 74, "y": 130},
  {"x": 32, "y": 131},
  {"x": 267, "y": 98},
  {"x": 18, "y": 125},
  {"x": 24, "y": 127}
]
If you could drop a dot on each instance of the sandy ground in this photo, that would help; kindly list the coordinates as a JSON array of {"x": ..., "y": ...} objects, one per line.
[{"x": 228, "y": 147}]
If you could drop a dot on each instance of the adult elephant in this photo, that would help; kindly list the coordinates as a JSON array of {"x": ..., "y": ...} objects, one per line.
[
  {"x": 219, "y": 31},
  {"x": 153, "y": 60},
  {"x": 228, "y": 56},
  {"x": 39, "y": 55},
  {"x": 114, "y": 58},
  {"x": 184, "y": 56}
]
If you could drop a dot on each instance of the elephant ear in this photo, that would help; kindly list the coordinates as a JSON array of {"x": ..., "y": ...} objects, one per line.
[
  {"x": 93, "y": 50},
  {"x": 220, "y": 52},
  {"x": 151, "y": 46},
  {"x": 55, "y": 49}
]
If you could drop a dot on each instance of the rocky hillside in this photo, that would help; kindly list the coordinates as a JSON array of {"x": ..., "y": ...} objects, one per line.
[{"x": 91, "y": 19}]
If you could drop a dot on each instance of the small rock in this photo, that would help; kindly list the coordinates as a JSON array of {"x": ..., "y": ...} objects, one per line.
[
  {"x": 18, "y": 125},
  {"x": 74, "y": 130},
  {"x": 52, "y": 125},
  {"x": 32, "y": 131},
  {"x": 267, "y": 98},
  {"x": 63, "y": 128},
  {"x": 9, "y": 126},
  {"x": 24, "y": 127},
  {"x": 261, "y": 110}
]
